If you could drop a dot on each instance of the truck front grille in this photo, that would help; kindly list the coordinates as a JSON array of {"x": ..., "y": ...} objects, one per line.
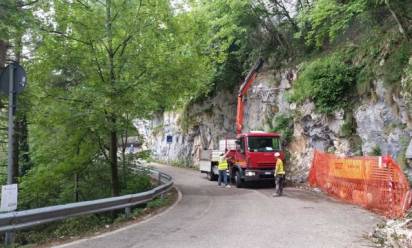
[{"x": 271, "y": 165}]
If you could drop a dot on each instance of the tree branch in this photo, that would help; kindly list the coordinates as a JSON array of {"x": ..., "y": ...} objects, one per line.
[
  {"x": 101, "y": 147},
  {"x": 398, "y": 21},
  {"x": 132, "y": 85},
  {"x": 83, "y": 4},
  {"x": 99, "y": 68},
  {"x": 122, "y": 44},
  {"x": 59, "y": 33},
  {"x": 21, "y": 5}
]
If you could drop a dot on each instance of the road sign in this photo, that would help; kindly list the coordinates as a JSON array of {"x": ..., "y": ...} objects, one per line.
[
  {"x": 169, "y": 139},
  {"x": 9, "y": 197},
  {"x": 19, "y": 78}
]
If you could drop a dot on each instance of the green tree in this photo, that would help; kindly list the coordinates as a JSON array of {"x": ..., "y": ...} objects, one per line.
[
  {"x": 324, "y": 20},
  {"x": 99, "y": 65},
  {"x": 16, "y": 20}
]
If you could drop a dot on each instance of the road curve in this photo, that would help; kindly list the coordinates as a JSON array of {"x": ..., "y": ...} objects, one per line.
[{"x": 209, "y": 216}]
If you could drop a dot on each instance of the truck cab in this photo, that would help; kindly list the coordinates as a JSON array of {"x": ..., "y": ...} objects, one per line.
[{"x": 254, "y": 157}]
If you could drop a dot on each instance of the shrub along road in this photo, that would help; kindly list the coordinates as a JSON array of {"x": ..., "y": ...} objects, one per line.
[{"x": 210, "y": 216}]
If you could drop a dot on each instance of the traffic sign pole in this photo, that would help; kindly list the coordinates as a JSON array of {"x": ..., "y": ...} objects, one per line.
[
  {"x": 9, "y": 236},
  {"x": 12, "y": 82},
  {"x": 10, "y": 164}
]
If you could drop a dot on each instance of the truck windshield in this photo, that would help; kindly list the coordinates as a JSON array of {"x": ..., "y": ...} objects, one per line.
[{"x": 263, "y": 144}]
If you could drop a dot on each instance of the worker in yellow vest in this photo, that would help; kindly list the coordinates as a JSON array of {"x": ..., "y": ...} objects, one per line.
[
  {"x": 279, "y": 175},
  {"x": 222, "y": 167}
]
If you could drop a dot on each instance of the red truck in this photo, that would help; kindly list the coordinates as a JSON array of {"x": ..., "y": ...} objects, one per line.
[
  {"x": 251, "y": 155},
  {"x": 254, "y": 156}
]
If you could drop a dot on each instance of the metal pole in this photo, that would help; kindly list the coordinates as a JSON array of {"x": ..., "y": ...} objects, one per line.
[
  {"x": 10, "y": 164},
  {"x": 128, "y": 212},
  {"x": 9, "y": 236},
  {"x": 168, "y": 155}
]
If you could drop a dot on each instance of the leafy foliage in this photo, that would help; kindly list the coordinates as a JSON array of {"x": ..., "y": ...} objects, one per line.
[
  {"x": 407, "y": 85},
  {"x": 89, "y": 77},
  {"x": 397, "y": 61},
  {"x": 327, "y": 81},
  {"x": 283, "y": 124},
  {"x": 326, "y": 19},
  {"x": 376, "y": 151}
]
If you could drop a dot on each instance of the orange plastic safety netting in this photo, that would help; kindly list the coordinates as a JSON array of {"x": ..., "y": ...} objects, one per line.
[{"x": 376, "y": 183}]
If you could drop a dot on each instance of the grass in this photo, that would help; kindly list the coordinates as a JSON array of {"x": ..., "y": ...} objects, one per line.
[{"x": 183, "y": 164}]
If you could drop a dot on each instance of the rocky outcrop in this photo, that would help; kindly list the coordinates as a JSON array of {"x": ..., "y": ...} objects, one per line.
[
  {"x": 383, "y": 122},
  {"x": 379, "y": 123},
  {"x": 394, "y": 233},
  {"x": 205, "y": 124}
]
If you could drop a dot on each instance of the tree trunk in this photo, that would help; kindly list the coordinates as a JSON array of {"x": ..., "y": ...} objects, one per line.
[
  {"x": 3, "y": 51},
  {"x": 402, "y": 30},
  {"x": 25, "y": 160},
  {"x": 18, "y": 119},
  {"x": 113, "y": 160},
  {"x": 112, "y": 116},
  {"x": 124, "y": 147},
  {"x": 76, "y": 187}
]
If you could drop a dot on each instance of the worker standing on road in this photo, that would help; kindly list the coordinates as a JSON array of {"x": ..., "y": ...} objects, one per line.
[
  {"x": 222, "y": 167},
  {"x": 279, "y": 175}
]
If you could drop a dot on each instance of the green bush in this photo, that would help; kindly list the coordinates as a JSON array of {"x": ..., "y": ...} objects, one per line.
[
  {"x": 46, "y": 186},
  {"x": 346, "y": 129},
  {"x": 283, "y": 124},
  {"x": 396, "y": 63},
  {"x": 376, "y": 151},
  {"x": 136, "y": 183},
  {"x": 327, "y": 81},
  {"x": 185, "y": 163},
  {"x": 145, "y": 154},
  {"x": 349, "y": 126},
  {"x": 62, "y": 230}
]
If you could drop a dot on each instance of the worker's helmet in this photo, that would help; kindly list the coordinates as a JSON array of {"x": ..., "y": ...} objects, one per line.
[{"x": 277, "y": 154}]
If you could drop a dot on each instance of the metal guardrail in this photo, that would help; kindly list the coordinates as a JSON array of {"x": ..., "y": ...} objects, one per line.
[{"x": 24, "y": 219}]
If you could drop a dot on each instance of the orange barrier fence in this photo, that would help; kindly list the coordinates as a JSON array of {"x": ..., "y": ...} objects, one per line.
[{"x": 376, "y": 183}]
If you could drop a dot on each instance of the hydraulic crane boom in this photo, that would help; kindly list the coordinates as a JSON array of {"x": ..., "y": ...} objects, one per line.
[{"x": 250, "y": 78}]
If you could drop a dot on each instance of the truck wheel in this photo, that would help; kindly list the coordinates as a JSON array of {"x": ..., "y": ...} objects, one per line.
[
  {"x": 210, "y": 175},
  {"x": 238, "y": 180}
]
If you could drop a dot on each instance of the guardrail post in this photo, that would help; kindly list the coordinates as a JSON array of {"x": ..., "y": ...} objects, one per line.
[
  {"x": 9, "y": 239},
  {"x": 128, "y": 212}
]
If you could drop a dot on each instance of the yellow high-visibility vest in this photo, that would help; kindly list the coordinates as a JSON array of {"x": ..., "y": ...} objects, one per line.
[
  {"x": 279, "y": 167},
  {"x": 222, "y": 164}
]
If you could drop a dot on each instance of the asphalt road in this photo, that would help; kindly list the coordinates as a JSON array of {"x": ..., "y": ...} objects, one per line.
[{"x": 209, "y": 216}]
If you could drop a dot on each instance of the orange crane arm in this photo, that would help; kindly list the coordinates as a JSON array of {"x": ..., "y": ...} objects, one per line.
[{"x": 250, "y": 78}]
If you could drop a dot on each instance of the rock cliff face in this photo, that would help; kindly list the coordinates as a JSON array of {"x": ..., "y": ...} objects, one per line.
[
  {"x": 206, "y": 123},
  {"x": 382, "y": 123}
]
